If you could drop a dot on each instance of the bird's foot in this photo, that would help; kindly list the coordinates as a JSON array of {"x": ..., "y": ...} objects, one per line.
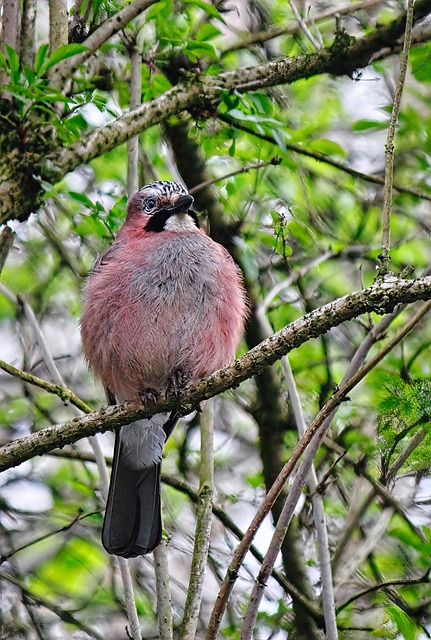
[
  {"x": 177, "y": 381},
  {"x": 149, "y": 394}
]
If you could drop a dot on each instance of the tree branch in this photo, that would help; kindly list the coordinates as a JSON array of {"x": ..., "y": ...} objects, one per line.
[
  {"x": 390, "y": 147},
  {"x": 343, "y": 58},
  {"x": 163, "y": 591},
  {"x": 381, "y": 297},
  {"x": 203, "y": 526}
]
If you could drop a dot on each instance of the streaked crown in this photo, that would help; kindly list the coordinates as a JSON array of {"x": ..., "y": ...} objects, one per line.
[{"x": 164, "y": 188}]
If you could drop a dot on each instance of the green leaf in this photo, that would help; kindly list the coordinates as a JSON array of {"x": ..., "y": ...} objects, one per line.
[
  {"x": 278, "y": 136},
  {"x": 13, "y": 59},
  {"x": 261, "y": 102},
  {"x": 82, "y": 198},
  {"x": 3, "y": 64},
  {"x": 207, "y": 31},
  {"x": 420, "y": 59},
  {"x": 154, "y": 10},
  {"x": 90, "y": 225},
  {"x": 208, "y": 8},
  {"x": 405, "y": 625},
  {"x": 40, "y": 57},
  {"x": 67, "y": 51},
  {"x": 367, "y": 125},
  {"x": 30, "y": 75},
  {"x": 327, "y": 147},
  {"x": 237, "y": 114},
  {"x": 201, "y": 49}
]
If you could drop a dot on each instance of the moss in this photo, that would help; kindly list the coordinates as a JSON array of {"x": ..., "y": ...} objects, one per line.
[{"x": 341, "y": 62}]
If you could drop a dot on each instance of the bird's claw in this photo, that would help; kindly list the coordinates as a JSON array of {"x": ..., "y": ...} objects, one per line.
[
  {"x": 149, "y": 394},
  {"x": 177, "y": 381}
]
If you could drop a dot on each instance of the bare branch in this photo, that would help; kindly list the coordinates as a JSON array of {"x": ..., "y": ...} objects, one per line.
[
  {"x": 383, "y": 585},
  {"x": 163, "y": 591},
  {"x": 65, "y": 394},
  {"x": 317, "y": 504},
  {"x": 390, "y": 148},
  {"x": 132, "y": 614},
  {"x": 203, "y": 526},
  {"x": 303, "y": 26},
  {"x": 318, "y": 512},
  {"x": 45, "y": 536},
  {"x": 276, "y": 160},
  {"x": 313, "y": 435}
]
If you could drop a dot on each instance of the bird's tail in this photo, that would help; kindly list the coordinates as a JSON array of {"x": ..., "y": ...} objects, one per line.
[{"x": 132, "y": 524}]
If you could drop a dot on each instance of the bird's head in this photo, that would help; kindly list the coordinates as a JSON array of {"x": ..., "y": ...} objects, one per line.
[{"x": 162, "y": 206}]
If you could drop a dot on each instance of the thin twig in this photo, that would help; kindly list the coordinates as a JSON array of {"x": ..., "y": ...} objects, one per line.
[
  {"x": 383, "y": 585},
  {"x": 390, "y": 148},
  {"x": 318, "y": 512},
  {"x": 415, "y": 441},
  {"x": 63, "y": 614},
  {"x": 45, "y": 536},
  {"x": 321, "y": 533},
  {"x": 163, "y": 591},
  {"x": 360, "y": 552},
  {"x": 132, "y": 614},
  {"x": 328, "y": 600},
  {"x": 203, "y": 526},
  {"x": 303, "y": 26},
  {"x": 276, "y": 160},
  {"x": 258, "y": 37},
  {"x": 135, "y": 100},
  {"x": 379, "y": 489},
  {"x": 65, "y": 394}
]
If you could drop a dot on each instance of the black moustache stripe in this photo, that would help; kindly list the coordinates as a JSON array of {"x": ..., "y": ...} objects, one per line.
[{"x": 158, "y": 220}]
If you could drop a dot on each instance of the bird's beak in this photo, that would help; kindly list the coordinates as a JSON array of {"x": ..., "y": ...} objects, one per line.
[{"x": 182, "y": 205}]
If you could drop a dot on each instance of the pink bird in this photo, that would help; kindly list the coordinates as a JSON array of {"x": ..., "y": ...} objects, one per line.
[{"x": 164, "y": 306}]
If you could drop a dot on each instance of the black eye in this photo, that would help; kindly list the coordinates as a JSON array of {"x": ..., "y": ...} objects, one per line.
[{"x": 149, "y": 204}]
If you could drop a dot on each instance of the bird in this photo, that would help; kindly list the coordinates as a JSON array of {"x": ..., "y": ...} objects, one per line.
[{"x": 164, "y": 306}]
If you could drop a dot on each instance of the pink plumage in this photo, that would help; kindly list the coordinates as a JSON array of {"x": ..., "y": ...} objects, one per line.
[{"x": 164, "y": 305}]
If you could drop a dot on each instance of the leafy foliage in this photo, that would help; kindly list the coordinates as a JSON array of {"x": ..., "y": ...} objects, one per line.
[{"x": 404, "y": 410}]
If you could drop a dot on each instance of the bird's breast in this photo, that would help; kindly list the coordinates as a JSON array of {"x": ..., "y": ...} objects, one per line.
[{"x": 176, "y": 275}]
